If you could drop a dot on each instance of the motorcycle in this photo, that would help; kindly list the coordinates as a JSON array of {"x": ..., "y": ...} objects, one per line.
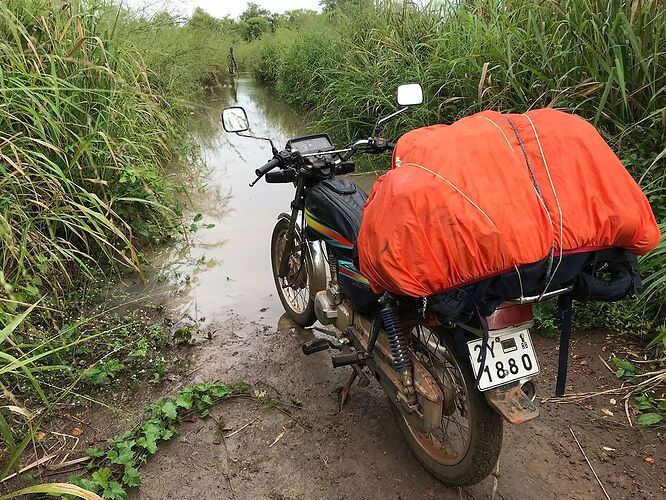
[{"x": 451, "y": 385}]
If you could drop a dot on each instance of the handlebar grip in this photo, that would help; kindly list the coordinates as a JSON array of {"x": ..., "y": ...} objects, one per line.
[
  {"x": 275, "y": 162},
  {"x": 344, "y": 168},
  {"x": 281, "y": 176}
]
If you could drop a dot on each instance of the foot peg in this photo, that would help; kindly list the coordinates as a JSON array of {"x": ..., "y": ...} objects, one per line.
[
  {"x": 315, "y": 345},
  {"x": 348, "y": 358}
]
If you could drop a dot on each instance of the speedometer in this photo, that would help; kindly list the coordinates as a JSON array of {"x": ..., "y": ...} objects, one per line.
[{"x": 311, "y": 144}]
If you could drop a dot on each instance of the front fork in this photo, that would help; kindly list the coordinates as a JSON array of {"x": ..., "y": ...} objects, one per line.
[{"x": 296, "y": 206}]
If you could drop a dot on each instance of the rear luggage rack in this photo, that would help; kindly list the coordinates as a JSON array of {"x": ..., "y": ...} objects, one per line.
[{"x": 539, "y": 298}]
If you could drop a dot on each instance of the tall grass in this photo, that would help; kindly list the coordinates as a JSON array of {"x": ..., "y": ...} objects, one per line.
[
  {"x": 604, "y": 60},
  {"x": 91, "y": 122},
  {"x": 94, "y": 118},
  {"x": 82, "y": 143},
  {"x": 21, "y": 360}
]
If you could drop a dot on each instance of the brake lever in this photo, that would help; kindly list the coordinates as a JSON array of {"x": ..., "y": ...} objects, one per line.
[
  {"x": 255, "y": 181},
  {"x": 378, "y": 145}
]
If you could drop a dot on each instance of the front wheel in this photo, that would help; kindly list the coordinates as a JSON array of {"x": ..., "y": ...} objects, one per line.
[
  {"x": 465, "y": 447},
  {"x": 293, "y": 289}
]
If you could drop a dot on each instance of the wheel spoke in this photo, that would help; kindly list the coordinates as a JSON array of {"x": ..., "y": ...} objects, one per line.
[
  {"x": 451, "y": 439},
  {"x": 295, "y": 286}
]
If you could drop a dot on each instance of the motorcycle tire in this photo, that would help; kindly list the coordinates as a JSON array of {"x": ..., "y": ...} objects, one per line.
[
  {"x": 478, "y": 458},
  {"x": 294, "y": 290}
]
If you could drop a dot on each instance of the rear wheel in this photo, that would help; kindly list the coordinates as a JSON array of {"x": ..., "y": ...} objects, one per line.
[
  {"x": 465, "y": 447},
  {"x": 293, "y": 289}
]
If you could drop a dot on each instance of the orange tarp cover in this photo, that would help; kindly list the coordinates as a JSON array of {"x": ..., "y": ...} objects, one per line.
[{"x": 460, "y": 203}]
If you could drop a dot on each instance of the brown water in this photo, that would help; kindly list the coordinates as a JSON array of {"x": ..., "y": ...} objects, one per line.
[{"x": 226, "y": 269}]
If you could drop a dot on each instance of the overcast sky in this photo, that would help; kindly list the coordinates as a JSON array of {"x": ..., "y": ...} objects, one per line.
[{"x": 220, "y": 8}]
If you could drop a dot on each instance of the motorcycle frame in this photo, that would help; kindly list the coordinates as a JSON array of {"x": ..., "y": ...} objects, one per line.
[{"x": 380, "y": 364}]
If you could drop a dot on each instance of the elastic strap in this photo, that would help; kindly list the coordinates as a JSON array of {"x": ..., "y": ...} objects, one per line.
[
  {"x": 549, "y": 267},
  {"x": 459, "y": 339},
  {"x": 484, "y": 327},
  {"x": 565, "y": 312},
  {"x": 484, "y": 348}
]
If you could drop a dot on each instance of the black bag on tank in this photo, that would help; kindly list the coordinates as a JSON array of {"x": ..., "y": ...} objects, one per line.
[{"x": 333, "y": 211}]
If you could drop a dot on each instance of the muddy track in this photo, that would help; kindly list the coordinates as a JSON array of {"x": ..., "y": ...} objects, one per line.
[{"x": 359, "y": 453}]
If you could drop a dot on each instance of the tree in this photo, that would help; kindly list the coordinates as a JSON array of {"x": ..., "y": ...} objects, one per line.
[
  {"x": 330, "y": 5},
  {"x": 252, "y": 28},
  {"x": 253, "y": 10},
  {"x": 297, "y": 15},
  {"x": 203, "y": 20}
]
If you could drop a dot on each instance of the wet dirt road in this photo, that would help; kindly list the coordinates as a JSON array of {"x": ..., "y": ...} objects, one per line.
[{"x": 225, "y": 286}]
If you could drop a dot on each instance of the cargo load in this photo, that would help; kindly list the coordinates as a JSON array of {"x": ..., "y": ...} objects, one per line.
[{"x": 492, "y": 193}]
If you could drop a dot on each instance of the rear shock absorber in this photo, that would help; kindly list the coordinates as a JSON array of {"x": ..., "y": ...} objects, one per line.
[{"x": 398, "y": 342}]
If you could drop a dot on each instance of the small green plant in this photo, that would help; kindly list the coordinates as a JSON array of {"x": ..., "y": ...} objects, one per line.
[
  {"x": 625, "y": 369},
  {"x": 545, "y": 315},
  {"x": 104, "y": 373},
  {"x": 659, "y": 341},
  {"x": 116, "y": 468},
  {"x": 196, "y": 224},
  {"x": 140, "y": 350},
  {"x": 651, "y": 408},
  {"x": 158, "y": 373},
  {"x": 184, "y": 335}
]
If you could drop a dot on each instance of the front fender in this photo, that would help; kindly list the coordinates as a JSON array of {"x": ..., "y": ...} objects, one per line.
[{"x": 315, "y": 254}]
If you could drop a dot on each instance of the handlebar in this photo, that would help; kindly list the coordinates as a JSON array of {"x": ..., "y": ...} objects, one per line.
[
  {"x": 373, "y": 145},
  {"x": 344, "y": 168},
  {"x": 275, "y": 162},
  {"x": 281, "y": 176}
]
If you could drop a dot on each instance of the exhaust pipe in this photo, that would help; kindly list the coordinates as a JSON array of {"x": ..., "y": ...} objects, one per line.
[{"x": 529, "y": 388}]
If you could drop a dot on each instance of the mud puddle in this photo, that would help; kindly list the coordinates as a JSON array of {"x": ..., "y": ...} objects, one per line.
[
  {"x": 224, "y": 268},
  {"x": 223, "y": 282}
]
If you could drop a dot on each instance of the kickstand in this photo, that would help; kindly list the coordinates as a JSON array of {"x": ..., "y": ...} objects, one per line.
[{"x": 344, "y": 391}]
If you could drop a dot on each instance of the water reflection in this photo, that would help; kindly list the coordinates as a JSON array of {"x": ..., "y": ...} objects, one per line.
[{"x": 224, "y": 266}]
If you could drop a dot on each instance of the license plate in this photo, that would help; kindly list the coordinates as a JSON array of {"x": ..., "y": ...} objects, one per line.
[{"x": 509, "y": 357}]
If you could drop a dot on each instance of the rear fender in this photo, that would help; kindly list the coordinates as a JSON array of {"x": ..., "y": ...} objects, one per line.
[
  {"x": 315, "y": 253},
  {"x": 512, "y": 403}
]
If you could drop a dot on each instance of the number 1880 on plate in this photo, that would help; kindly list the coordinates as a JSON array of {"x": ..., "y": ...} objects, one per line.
[{"x": 509, "y": 357}]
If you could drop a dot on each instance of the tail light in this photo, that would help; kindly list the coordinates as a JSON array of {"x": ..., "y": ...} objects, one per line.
[{"x": 508, "y": 315}]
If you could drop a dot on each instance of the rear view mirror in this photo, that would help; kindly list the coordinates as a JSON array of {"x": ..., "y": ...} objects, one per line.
[
  {"x": 234, "y": 119},
  {"x": 410, "y": 94}
]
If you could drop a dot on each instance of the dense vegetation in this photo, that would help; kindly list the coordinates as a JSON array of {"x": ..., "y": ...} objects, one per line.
[
  {"x": 94, "y": 114},
  {"x": 605, "y": 61},
  {"x": 92, "y": 101}
]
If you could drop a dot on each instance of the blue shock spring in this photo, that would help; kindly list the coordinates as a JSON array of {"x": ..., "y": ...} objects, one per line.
[{"x": 398, "y": 341}]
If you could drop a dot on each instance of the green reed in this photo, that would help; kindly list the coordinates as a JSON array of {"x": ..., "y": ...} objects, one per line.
[{"x": 604, "y": 60}]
